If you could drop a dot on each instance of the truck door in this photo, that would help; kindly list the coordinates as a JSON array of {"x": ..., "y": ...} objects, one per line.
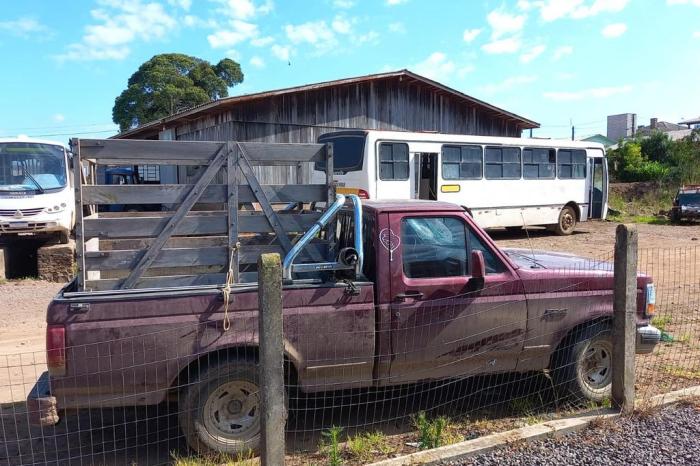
[
  {"x": 395, "y": 173},
  {"x": 441, "y": 329}
]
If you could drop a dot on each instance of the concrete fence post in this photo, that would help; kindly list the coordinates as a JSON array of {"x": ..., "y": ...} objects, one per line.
[
  {"x": 624, "y": 317},
  {"x": 273, "y": 413}
]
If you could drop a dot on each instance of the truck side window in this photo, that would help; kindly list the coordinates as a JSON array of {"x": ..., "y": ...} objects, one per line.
[
  {"x": 434, "y": 247},
  {"x": 493, "y": 264}
]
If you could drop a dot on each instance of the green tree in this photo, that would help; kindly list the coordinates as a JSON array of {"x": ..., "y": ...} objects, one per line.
[
  {"x": 656, "y": 147},
  {"x": 169, "y": 83}
]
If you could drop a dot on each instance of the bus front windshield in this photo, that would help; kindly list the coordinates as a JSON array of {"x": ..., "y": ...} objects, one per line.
[{"x": 28, "y": 166}]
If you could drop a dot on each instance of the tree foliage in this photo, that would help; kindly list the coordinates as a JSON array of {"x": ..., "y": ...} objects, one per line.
[
  {"x": 657, "y": 158},
  {"x": 169, "y": 83}
]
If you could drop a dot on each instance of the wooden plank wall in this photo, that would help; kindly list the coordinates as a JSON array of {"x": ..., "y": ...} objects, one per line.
[
  {"x": 196, "y": 246},
  {"x": 387, "y": 104}
]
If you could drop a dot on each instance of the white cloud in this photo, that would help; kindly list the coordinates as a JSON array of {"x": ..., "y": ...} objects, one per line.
[
  {"x": 281, "y": 52},
  {"x": 562, "y": 51},
  {"x": 510, "y": 45},
  {"x": 397, "y": 27},
  {"x": 551, "y": 10},
  {"x": 343, "y": 4},
  {"x": 58, "y": 117},
  {"x": 341, "y": 25},
  {"x": 316, "y": 33},
  {"x": 257, "y": 62},
  {"x": 367, "y": 38},
  {"x": 440, "y": 68},
  {"x": 503, "y": 23},
  {"x": 533, "y": 53},
  {"x": 614, "y": 30},
  {"x": 395, "y": 2},
  {"x": 593, "y": 93},
  {"x": 262, "y": 41},
  {"x": 564, "y": 76},
  {"x": 470, "y": 34},
  {"x": 696, "y": 35},
  {"x": 683, "y": 2},
  {"x": 23, "y": 27},
  {"x": 184, "y": 4},
  {"x": 118, "y": 24},
  {"x": 238, "y": 32},
  {"x": 508, "y": 84}
]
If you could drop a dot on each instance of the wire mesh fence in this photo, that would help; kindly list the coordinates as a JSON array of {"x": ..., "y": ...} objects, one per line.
[{"x": 159, "y": 381}]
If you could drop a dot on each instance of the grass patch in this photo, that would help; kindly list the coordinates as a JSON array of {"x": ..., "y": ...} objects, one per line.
[
  {"x": 644, "y": 208},
  {"x": 682, "y": 372},
  {"x": 246, "y": 458},
  {"x": 434, "y": 433},
  {"x": 367, "y": 446},
  {"x": 661, "y": 322}
]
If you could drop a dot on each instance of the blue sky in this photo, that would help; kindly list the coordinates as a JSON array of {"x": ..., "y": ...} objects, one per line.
[{"x": 553, "y": 61}]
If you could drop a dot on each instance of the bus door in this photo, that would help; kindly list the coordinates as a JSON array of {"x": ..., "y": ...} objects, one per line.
[
  {"x": 395, "y": 172},
  {"x": 426, "y": 176},
  {"x": 598, "y": 191}
]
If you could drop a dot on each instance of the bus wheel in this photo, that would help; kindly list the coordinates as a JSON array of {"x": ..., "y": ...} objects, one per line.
[{"x": 567, "y": 222}]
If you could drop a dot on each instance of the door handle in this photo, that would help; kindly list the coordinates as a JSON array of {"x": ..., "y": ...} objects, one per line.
[{"x": 412, "y": 294}]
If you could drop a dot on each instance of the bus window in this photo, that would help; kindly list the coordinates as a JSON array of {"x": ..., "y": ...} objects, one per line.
[
  {"x": 539, "y": 163},
  {"x": 462, "y": 162},
  {"x": 348, "y": 153},
  {"x": 502, "y": 163},
  {"x": 571, "y": 164},
  {"x": 393, "y": 161}
]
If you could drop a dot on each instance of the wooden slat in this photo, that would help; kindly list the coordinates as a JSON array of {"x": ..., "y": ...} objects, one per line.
[
  {"x": 171, "y": 281},
  {"x": 167, "y": 231},
  {"x": 214, "y": 223},
  {"x": 190, "y": 257},
  {"x": 232, "y": 173},
  {"x": 79, "y": 221},
  {"x": 175, "y": 193},
  {"x": 175, "y": 257},
  {"x": 264, "y": 202},
  {"x": 267, "y": 153},
  {"x": 130, "y": 151}
]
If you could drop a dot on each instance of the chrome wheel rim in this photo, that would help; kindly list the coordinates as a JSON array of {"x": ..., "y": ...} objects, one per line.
[
  {"x": 232, "y": 411},
  {"x": 596, "y": 363}
]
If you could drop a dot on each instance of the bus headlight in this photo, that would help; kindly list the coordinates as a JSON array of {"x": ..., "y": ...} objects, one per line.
[{"x": 56, "y": 209}]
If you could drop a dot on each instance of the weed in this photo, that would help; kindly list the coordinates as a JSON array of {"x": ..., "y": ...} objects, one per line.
[
  {"x": 245, "y": 458},
  {"x": 682, "y": 372},
  {"x": 330, "y": 445},
  {"x": 366, "y": 446},
  {"x": 436, "y": 432},
  {"x": 661, "y": 322}
]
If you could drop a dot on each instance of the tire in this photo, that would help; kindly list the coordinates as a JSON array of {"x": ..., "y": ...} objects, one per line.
[
  {"x": 567, "y": 222},
  {"x": 220, "y": 411},
  {"x": 572, "y": 373},
  {"x": 63, "y": 237},
  {"x": 675, "y": 217}
]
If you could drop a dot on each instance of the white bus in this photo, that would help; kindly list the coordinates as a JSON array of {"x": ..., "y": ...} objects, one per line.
[
  {"x": 36, "y": 189},
  {"x": 503, "y": 182}
]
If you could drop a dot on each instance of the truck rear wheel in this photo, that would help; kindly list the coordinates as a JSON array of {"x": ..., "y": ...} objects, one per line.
[
  {"x": 220, "y": 412},
  {"x": 567, "y": 222},
  {"x": 582, "y": 365}
]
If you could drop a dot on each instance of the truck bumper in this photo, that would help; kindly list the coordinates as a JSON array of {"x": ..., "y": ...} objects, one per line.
[
  {"x": 42, "y": 408},
  {"x": 648, "y": 337}
]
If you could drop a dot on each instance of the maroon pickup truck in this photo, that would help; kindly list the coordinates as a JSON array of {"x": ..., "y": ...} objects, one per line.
[{"x": 434, "y": 299}]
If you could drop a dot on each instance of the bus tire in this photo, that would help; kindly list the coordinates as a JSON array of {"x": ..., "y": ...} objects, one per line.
[{"x": 567, "y": 221}]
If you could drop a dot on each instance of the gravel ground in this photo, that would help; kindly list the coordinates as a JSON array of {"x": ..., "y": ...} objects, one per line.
[{"x": 667, "y": 437}]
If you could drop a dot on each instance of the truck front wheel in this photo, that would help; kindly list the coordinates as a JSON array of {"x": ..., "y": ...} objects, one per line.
[
  {"x": 582, "y": 365},
  {"x": 220, "y": 412}
]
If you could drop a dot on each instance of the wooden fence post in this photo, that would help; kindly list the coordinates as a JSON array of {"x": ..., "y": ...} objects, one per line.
[
  {"x": 270, "y": 328},
  {"x": 624, "y": 317}
]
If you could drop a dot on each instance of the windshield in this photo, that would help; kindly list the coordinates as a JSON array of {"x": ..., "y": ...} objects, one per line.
[
  {"x": 348, "y": 153},
  {"x": 689, "y": 198},
  {"x": 28, "y": 166}
]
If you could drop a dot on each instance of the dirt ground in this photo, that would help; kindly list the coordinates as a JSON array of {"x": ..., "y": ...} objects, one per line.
[{"x": 669, "y": 253}]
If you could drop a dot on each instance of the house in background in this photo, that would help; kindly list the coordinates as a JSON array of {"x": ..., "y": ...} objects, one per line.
[
  {"x": 691, "y": 123},
  {"x": 672, "y": 130},
  {"x": 397, "y": 101},
  {"x": 621, "y": 126},
  {"x": 599, "y": 138}
]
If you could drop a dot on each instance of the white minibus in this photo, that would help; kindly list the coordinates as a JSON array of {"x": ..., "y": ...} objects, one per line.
[
  {"x": 36, "y": 189},
  {"x": 503, "y": 182}
]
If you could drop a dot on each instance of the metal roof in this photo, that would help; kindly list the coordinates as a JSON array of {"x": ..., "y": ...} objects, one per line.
[
  {"x": 215, "y": 105},
  {"x": 690, "y": 121}
]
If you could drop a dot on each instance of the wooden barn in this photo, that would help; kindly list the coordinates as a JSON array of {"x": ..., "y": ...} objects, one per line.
[{"x": 399, "y": 100}]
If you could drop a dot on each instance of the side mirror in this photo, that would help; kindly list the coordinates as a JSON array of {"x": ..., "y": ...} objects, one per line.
[{"x": 478, "y": 271}]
